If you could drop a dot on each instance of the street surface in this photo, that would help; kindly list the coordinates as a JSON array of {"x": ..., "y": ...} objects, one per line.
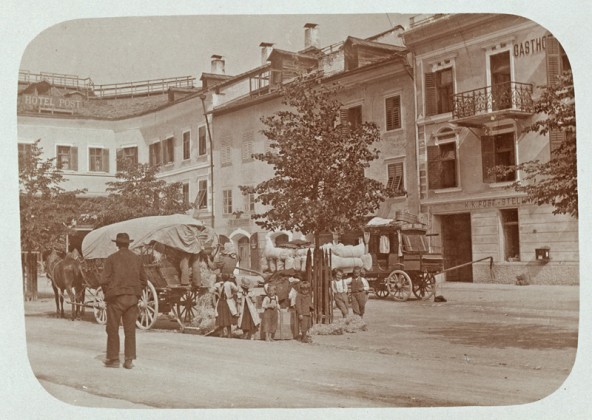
[{"x": 487, "y": 345}]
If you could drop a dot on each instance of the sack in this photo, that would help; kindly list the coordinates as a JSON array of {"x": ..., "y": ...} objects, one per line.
[{"x": 232, "y": 307}]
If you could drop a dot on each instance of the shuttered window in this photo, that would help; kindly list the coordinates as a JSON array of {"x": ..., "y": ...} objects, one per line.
[
  {"x": 351, "y": 119},
  {"x": 201, "y": 150},
  {"x": 393, "y": 113},
  {"x": 202, "y": 194},
  {"x": 247, "y": 146},
  {"x": 126, "y": 154},
  {"x": 555, "y": 66},
  {"x": 186, "y": 145},
  {"x": 498, "y": 150},
  {"x": 186, "y": 194},
  {"x": 98, "y": 159},
  {"x": 155, "y": 154},
  {"x": 168, "y": 149},
  {"x": 439, "y": 88},
  {"x": 395, "y": 178},
  {"x": 225, "y": 156},
  {"x": 442, "y": 166},
  {"x": 227, "y": 201},
  {"x": 24, "y": 154},
  {"x": 67, "y": 158}
]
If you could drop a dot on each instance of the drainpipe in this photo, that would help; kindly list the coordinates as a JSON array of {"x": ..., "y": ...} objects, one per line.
[{"x": 203, "y": 98}]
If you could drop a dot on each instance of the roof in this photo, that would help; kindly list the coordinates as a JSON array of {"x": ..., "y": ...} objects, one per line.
[{"x": 373, "y": 44}]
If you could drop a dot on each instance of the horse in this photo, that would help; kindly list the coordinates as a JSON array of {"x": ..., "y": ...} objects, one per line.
[{"x": 66, "y": 277}]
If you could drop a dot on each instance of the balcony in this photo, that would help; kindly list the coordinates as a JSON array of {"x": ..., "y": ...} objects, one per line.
[{"x": 475, "y": 107}]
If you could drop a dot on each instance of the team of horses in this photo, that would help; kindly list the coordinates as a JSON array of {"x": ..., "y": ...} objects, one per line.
[{"x": 65, "y": 273}]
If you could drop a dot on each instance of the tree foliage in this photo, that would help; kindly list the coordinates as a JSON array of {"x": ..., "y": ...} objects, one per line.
[
  {"x": 137, "y": 192},
  {"x": 553, "y": 182},
  {"x": 46, "y": 209},
  {"x": 319, "y": 183}
]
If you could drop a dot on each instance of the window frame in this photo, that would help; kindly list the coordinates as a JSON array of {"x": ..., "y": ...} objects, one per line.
[
  {"x": 168, "y": 150},
  {"x": 403, "y": 182},
  {"x": 186, "y": 136},
  {"x": 487, "y": 152},
  {"x": 121, "y": 154},
  {"x": 202, "y": 194},
  {"x": 446, "y": 138},
  {"x": 202, "y": 141},
  {"x": 186, "y": 193},
  {"x": 72, "y": 157},
  {"x": 227, "y": 202},
  {"x": 104, "y": 159},
  {"x": 25, "y": 154},
  {"x": 507, "y": 235},
  {"x": 155, "y": 153}
]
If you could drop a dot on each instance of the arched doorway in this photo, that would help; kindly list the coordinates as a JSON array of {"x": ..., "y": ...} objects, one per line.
[{"x": 244, "y": 252}]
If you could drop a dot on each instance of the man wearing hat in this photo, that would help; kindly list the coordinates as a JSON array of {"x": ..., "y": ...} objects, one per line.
[{"x": 123, "y": 280}]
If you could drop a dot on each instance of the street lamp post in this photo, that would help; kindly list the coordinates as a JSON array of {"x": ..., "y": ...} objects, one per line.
[{"x": 203, "y": 104}]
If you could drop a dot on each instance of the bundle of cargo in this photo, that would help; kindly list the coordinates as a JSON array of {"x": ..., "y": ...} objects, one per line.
[
  {"x": 288, "y": 256},
  {"x": 347, "y": 257}
]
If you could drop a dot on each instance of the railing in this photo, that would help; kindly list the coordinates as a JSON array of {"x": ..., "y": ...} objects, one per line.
[
  {"x": 143, "y": 88},
  {"x": 259, "y": 81},
  {"x": 56, "y": 79},
  {"x": 413, "y": 23},
  {"x": 503, "y": 96}
]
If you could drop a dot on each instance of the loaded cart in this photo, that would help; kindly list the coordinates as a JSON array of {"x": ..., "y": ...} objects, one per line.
[
  {"x": 402, "y": 259},
  {"x": 172, "y": 249}
]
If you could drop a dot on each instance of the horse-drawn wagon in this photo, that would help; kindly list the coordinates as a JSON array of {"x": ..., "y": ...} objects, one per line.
[
  {"x": 172, "y": 249},
  {"x": 403, "y": 261}
]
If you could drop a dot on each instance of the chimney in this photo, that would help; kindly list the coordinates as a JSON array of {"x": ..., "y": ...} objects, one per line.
[
  {"x": 266, "y": 48},
  {"x": 311, "y": 36},
  {"x": 218, "y": 64}
]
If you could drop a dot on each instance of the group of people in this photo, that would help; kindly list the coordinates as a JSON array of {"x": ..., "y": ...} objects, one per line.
[{"x": 124, "y": 279}]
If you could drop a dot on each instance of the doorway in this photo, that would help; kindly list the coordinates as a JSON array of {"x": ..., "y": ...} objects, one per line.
[
  {"x": 457, "y": 246},
  {"x": 244, "y": 255},
  {"x": 501, "y": 80}
]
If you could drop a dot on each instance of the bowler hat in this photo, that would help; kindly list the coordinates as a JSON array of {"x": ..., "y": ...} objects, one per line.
[{"x": 122, "y": 238}]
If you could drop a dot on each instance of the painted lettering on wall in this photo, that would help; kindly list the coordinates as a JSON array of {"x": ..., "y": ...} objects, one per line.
[
  {"x": 497, "y": 202},
  {"x": 530, "y": 46},
  {"x": 51, "y": 102}
]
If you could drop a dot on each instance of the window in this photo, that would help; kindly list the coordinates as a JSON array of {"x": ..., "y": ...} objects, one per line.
[
  {"x": 186, "y": 145},
  {"x": 155, "y": 154},
  {"x": 442, "y": 166},
  {"x": 225, "y": 156},
  {"x": 168, "y": 149},
  {"x": 249, "y": 202},
  {"x": 351, "y": 118},
  {"x": 393, "y": 113},
  {"x": 509, "y": 218},
  {"x": 98, "y": 159},
  {"x": 439, "y": 88},
  {"x": 501, "y": 80},
  {"x": 67, "y": 158},
  {"x": 202, "y": 194},
  {"x": 227, "y": 201},
  {"x": 127, "y": 155},
  {"x": 395, "y": 178},
  {"x": 557, "y": 63},
  {"x": 24, "y": 154},
  {"x": 498, "y": 150},
  {"x": 201, "y": 149}
]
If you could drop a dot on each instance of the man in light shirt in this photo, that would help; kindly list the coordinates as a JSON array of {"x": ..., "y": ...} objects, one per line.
[
  {"x": 359, "y": 291},
  {"x": 339, "y": 286}
]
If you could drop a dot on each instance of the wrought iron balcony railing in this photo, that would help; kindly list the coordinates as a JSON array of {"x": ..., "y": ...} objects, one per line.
[{"x": 512, "y": 96}]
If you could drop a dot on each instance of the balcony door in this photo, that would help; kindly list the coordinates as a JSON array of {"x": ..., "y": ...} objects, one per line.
[{"x": 501, "y": 77}]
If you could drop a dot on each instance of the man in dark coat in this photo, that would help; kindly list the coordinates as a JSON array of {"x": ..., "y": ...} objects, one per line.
[{"x": 123, "y": 280}]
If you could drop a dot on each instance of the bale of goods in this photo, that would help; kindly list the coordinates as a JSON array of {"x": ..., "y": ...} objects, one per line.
[
  {"x": 365, "y": 262},
  {"x": 349, "y": 251}
]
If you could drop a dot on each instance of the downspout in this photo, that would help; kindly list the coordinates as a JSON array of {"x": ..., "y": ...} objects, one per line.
[{"x": 203, "y": 98}]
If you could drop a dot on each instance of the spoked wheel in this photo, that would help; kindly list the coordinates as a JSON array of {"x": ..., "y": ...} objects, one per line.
[
  {"x": 148, "y": 307},
  {"x": 186, "y": 308},
  {"x": 99, "y": 306},
  {"x": 424, "y": 286},
  {"x": 381, "y": 291},
  {"x": 399, "y": 284}
]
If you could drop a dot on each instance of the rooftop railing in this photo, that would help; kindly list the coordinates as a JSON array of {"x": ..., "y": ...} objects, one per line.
[
  {"x": 143, "y": 87},
  {"x": 56, "y": 79}
]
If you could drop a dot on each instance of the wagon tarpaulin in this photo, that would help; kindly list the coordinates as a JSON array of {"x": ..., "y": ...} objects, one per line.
[{"x": 178, "y": 231}]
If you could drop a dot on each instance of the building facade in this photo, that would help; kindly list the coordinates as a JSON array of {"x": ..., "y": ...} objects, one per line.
[{"x": 475, "y": 80}]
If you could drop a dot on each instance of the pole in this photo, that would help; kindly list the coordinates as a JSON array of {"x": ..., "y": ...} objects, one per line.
[{"x": 203, "y": 104}]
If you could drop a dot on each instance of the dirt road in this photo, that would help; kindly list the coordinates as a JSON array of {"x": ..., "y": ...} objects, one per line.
[{"x": 487, "y": 345}]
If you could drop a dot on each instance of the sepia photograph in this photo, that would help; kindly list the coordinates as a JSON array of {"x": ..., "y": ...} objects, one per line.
[{"x": 289, "y": 211}]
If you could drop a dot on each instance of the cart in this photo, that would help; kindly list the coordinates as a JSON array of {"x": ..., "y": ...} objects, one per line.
[
  {"x": 169, "y": 289},
  {"x": 403, "y": 262}
]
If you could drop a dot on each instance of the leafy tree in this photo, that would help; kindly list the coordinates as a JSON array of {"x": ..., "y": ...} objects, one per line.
[
  {"x": 137, "y": 192},
  {"x": 319, "y": 183},
  {"x": 45, "y": 207},
  {"x": 553, "y": 182}
]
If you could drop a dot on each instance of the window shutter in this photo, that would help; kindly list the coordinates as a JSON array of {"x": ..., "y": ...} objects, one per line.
[
  {"x": 105, "y": 160},
  {"x": 431, "y": 95},
  {"x": 393, "y": 112},
  {"x": 119, "y": 159},
  {"x": 553, "y": 52},
  {"x": 488, "y": 157},
  {"x": 556, "y": 137},
  {"x": 74, "y": 158},
  {"x": 395, "y": 177},
  {"x": 434, "y": 168},
  {"x": 344, "y": 121}
]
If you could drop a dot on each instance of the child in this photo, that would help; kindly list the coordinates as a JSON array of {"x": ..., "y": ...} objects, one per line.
[
  {"x": 304, "y": 309},
  {"x": 270, "y": 305},
  {"x": 248, "y": 321},
  {"x": 226, "y": 311},
  {"x": 339, "y": 287},
  {"x": 359, "y": 291}
]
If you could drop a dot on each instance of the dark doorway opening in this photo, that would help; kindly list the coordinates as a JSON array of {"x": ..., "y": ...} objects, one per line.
[{"x": 457, "y": 246}]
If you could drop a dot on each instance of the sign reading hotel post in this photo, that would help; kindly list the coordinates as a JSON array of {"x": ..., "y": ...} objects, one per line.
[{"x": 50, "y": 102}]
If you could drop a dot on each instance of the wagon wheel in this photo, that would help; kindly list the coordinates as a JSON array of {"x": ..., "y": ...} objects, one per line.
[
  {"x": 399, "y": 284},
  {"x": 381, "y": 290},
  {"x": 148, "y": 307},
  {"x": 99, "y": 306},
  {"x": 425, "y": 285},
  {"x": 186, "y": 308}
]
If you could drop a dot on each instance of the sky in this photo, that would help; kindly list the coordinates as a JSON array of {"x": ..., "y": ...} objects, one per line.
[{"x": 116, "y": 50}]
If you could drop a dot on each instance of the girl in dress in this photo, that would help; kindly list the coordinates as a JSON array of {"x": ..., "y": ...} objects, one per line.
[
  {"x": 248, "y": 320},
  {"x": 224, "y": 291}
]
